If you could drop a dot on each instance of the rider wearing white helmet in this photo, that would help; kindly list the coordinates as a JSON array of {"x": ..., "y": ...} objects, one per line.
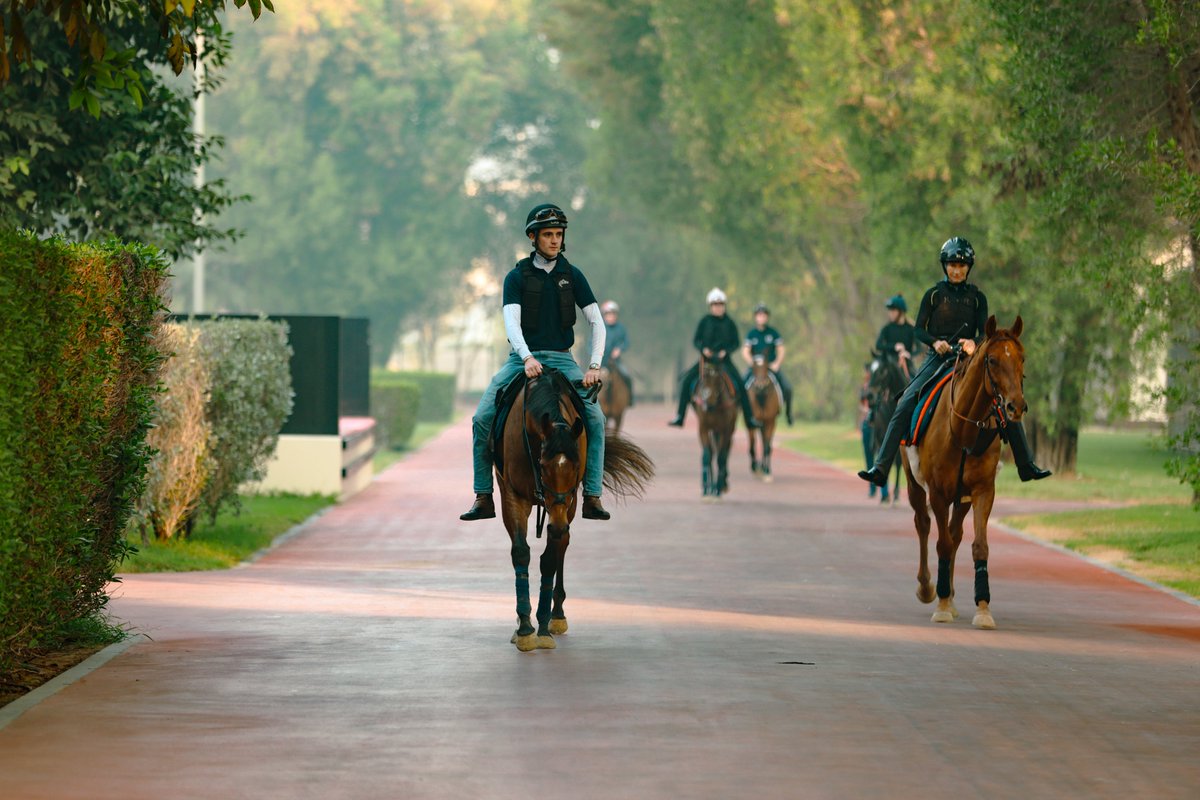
[
  {"x": 716, "y": 338},
  {"x": 616, "y": 342}
]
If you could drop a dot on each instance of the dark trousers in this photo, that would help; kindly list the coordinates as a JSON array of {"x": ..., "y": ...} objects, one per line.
[
  {"x": 687, "y": 387},
  {"x": 902, "y": 416}
]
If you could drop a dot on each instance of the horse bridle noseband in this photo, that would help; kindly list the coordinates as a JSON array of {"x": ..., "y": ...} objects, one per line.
[{"x": 998, "y": 401}]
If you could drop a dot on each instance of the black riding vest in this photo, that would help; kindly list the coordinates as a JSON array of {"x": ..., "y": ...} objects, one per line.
[
  {"x": 531, "y": 295},
  {"x": 954, "y": 312}
]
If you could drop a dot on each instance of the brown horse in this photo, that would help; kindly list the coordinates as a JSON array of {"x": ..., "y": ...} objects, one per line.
[
  {"x": 543, "y": 460},
  {"x": 716, "y": 407},
  {"x": 953, "y": 469},
  {"x": 614, "y": 397},
  {"x": 764, "y": 400}
]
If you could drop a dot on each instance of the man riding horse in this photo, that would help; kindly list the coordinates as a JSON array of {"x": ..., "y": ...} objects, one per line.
[
  {"x": 952, "y": 312},
  {"x": 897, "y": 339},
  {"x": 541, "y": 294},
  {"x": 716, "y": 338},
  {"x": 763, "y": 340},
  {"x": 616, "y": 342}
]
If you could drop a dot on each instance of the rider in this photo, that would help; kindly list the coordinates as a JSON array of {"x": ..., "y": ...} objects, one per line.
[
  {"x": 898, "y": 336},
  {"x": 953, "y": 310},
  {"x": 616, "y": 342},
  {"x": 540, "y": 296},
  {"x": 716, "y": 338},
  {"x": 763, "y": 340}
]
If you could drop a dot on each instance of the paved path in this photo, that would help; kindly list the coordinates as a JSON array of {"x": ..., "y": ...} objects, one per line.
[{"x": 369, "y": 658}]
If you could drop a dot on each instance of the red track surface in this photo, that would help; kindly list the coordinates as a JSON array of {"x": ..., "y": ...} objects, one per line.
[{"x": 369, "y": 658}]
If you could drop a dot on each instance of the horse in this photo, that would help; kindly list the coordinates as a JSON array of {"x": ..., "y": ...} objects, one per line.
[
  {"x": 716, "y": 407},
  {"x": 884, "y": 388},
  {"x": 953, "y": 469},
  {"x": 764, "y": 400},
  {"x": 614, "y": 396},
  {"x": 544, "y": 455}
]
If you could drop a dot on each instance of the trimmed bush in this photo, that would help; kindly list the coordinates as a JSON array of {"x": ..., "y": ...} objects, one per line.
[
  {"x": 437, "y": 392},
  {"x": 78, "y": 371},
  {"x": 250, "y": 397},
  {"x": 180, "y": 436},
  {"x": 394, "y": 405}
]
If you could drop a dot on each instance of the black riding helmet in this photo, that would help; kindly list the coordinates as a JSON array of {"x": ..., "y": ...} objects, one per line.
[
  {"x": 547, "y": 215},
  {"x": 763, "y": 308},
  {"x": 957, "y": 250},
  {"x": 897, "y": 302}
]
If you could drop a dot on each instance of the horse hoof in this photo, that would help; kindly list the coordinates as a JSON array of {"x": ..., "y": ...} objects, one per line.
[
  {"x": 984, "y": 621},
  {"x": 546, "y": 642},
  {"x": 768, "y": 478},
  {"x": 525, "y": 643},
  {"x": 942, "y": 615},
  {"x": 925, "y": 593},
  {"x": 558, "y": 626}
]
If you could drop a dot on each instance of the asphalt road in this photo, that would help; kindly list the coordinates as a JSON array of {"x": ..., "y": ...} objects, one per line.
[{"x": 767, "y": 646}]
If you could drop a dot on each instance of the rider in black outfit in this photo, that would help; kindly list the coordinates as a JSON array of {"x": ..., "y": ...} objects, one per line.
[
  {"x": 952, "y": 311},
  {"x": 716, "y": 338}
]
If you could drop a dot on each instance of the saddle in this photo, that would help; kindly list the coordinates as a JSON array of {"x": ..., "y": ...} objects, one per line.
[
  {"x": 507, "y": 395},
  {"x": 749, "y": 384},
  {"x": 927, "y": 401}
]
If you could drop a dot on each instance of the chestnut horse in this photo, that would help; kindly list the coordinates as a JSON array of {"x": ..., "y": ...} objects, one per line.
[
  {"x": 614, "y": 397},
  {"x": 953, "y": 468},
  {"x": 764, "y": 401},
  {"x": 543, "y": 461},
  {"x": 716, "y": 407}
]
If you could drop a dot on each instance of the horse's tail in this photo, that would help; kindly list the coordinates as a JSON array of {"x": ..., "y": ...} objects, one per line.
[{"x": 628, "y": 470}]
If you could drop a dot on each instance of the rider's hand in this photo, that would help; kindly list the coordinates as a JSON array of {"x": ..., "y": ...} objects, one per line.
[
  {"x": 533, "y": 367},
  {"x": 707, "y": 353},
  {"x": 720, "y": 354},
  {"x": 616, "y": 353},
  {"x": 941, "y": 347},
  {"x": 591, "y": 377},
  {"x": 773, "y": 367},
  {"x": 968, "y": 346}
]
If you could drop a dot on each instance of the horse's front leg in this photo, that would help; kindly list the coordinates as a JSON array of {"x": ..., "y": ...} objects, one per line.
[
  {"x": 946, "y": 612},
  {"x": 723, "y": 465},
  {"x": 558, "y": 618},
  {"x": 768, "y": 433},
  {"x": 754, "y": 452},
  {"x": 516, "y": 520},
  {"x": 706, "y": 477},
  {"x": 549, "y": 566},
  {"x": 979, "y": 552}
]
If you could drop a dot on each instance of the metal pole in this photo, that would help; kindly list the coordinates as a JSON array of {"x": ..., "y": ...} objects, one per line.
[{"x": 198, "y": 129}]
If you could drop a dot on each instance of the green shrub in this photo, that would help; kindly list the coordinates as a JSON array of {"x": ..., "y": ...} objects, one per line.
[
  {"x": 180, "y": 437},
  {"x": 78, "y": 371},
  {"x": 250, "y": 397},
  {"x": 394, "y": 405},
  {"x": 437, "y": 392}
]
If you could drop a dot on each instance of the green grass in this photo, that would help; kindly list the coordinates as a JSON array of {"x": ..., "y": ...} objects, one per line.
[
  {"x": 1160, "y": 542},
  {"x": 424, "y": 431},
  {"x": 231, "y": 539}
]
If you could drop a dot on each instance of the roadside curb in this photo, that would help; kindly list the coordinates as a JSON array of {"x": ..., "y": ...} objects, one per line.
[{"x": 16, "y": 708}]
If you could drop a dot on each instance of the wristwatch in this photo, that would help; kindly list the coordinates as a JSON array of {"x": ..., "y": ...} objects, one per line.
[{"x": 593, "y": 366}]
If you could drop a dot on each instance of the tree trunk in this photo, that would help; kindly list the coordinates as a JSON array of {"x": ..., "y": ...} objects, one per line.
[{"x": 1057, "y": 453}]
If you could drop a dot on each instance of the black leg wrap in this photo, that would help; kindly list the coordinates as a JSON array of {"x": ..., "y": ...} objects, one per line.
[
  {"x": 943, "y": 582},
  {"x": 983, "y": 594}
]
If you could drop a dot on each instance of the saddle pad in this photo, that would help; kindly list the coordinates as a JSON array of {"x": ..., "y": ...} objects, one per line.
[{"x": 927, "y": 401}]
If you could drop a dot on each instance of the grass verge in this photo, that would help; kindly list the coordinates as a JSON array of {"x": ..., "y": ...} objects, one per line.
[
  {"x": 230, "y": 539},
  {"x": 1154, "y": 534}
]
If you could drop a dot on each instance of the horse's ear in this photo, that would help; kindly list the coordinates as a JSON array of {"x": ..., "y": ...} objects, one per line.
[
  {"x": 989, "y": 329},
  {"x": 577, "y": 428},
  {"x": 1018, "y": 326}
]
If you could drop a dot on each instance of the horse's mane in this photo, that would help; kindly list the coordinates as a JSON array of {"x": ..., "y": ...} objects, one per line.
[{"x": 1001, "y": 335}]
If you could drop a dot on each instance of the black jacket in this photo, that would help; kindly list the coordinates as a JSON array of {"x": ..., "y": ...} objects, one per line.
[{"x": 717, "y": 334}]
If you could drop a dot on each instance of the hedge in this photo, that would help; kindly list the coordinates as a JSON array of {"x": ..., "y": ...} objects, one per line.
[
  {"x": 437, "y": 392},
  {"x": 394, "y": 405},
  {"x": 78, "y": 371}
]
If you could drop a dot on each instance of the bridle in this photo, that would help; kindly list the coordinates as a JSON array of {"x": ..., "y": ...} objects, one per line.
[
  {"x": 535, "y": 466},
  {"x": 997, "y": 400}
]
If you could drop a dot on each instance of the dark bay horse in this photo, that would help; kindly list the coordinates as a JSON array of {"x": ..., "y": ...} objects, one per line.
[
  {"x": 764, "y": 401},
  {"x": 716, "y": 407},
  {"x": 886, "y": 384},
  {"x": 543, "y": 461},
  {"x": 953, "y": 469},
  {"x": 614, "y": 396}
]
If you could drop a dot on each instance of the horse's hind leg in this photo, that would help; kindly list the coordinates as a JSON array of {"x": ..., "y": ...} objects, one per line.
[
  {"x": 558, "y": 619},
  {"x": 549, "y": 565},
  {"x": 920, "y": 506}
]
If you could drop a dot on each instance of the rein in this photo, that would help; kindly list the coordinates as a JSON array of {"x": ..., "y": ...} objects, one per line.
[{"x": 535, "y": 467}]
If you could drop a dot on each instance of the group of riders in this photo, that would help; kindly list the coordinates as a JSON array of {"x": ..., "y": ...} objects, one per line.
[{"x": 543, "y": 290}]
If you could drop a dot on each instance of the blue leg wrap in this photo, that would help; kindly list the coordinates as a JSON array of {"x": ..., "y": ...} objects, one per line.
[
  {"x": 523, "y": 608},
  {"x": 943, "y": 582},
  {"x": 983, "y": 592}
]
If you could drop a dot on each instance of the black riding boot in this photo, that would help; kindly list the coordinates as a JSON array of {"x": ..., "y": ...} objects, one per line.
[
  {"x": 686, "y": 389},
  {"x": 787, "y": 403},
  {"x": 1026, "y": 469},
  {"x": 878, "y": 473}
]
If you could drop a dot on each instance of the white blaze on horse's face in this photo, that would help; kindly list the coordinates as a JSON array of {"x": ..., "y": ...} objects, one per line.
[{"x": 1006, "y": 371}]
